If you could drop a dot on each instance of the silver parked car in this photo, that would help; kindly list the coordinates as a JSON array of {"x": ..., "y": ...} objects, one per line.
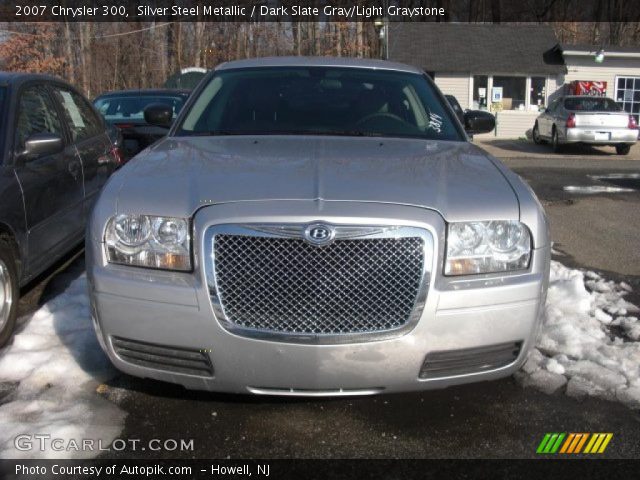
[
  {"x": 586, "y": 119},
  {"x": 317, "y": 227}
]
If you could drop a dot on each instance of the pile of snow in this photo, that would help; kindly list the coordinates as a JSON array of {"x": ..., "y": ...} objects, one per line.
[
  {"x": 590, "y": 340},
  {"x": 57, "y": 364}
]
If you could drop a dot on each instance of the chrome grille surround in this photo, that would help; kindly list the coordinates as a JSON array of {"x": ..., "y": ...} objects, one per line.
[{"x": 278, "y": 298}]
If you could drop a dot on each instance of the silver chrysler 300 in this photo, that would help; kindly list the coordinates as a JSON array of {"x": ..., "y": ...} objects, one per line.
[{"x": 317, "y": 227}]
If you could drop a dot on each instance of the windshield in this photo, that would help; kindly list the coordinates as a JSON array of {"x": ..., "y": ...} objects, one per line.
[
  {"x": 132, "y": 108},
  {"x": 591, "y": 104},
  {"x": 319, "y": 101}
]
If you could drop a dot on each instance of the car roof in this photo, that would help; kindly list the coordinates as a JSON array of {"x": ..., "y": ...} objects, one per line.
[
  {"x": 318, "y": 62},
  {"x": 14, "y": 78},
  {"x": 144, "y": 92}
]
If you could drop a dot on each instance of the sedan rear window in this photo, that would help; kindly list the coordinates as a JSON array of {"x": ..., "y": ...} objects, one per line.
[
  {"x": 132, "y": 108},
  {"x": 319, "y": 101},
  {"x": 591, "y": 104}
]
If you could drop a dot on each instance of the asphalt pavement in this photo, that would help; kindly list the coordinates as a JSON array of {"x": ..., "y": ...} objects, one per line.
[{"x": 497, "y": 419}]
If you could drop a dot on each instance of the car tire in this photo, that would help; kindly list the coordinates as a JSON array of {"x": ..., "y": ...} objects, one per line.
[
  {"x": 537, "y": 139},
  {"x": 555, "y": 142},
  {"x": 623, "y": 149},
  {"x": 9, "y": 290}
]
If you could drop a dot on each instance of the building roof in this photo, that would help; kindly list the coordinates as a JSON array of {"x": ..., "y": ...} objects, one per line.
[
  {"x": 476, "y": 48},
  {"x": 317, "y": 62}
]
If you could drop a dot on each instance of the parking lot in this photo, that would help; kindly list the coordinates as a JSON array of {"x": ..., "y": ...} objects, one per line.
[
  {"x": 499, "y": 419},
  {"x": 525, "y": 149}
]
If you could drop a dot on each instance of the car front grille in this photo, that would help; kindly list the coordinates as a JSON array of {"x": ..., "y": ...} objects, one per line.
[{"x": 274, "y": 284}]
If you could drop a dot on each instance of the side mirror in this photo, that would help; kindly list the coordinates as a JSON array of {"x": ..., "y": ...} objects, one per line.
[
  {"x": 40, "y": 145},
  {"x": 478, "y": 121},
  {"x": 158, "y": 114}
]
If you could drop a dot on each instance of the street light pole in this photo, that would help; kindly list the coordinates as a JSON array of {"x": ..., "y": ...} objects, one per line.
[
  {"x": 382, "y": 26},
  {"x": 386, "y": 29}
]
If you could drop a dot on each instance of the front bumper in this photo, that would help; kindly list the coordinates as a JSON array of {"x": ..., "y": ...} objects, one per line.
[
  {"x": 174, "y": 309},
  {"x": 601, "y": 136}
]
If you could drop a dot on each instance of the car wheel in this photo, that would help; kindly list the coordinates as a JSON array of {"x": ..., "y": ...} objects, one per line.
[
  {"x": 623, "y": 149},
  {"x": 9, "y": 291},
  {"x": 555, "y": 143},
  {"x": 536, "y": 135}
]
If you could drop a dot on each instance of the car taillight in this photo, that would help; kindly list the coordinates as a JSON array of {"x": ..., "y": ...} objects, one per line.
[
  {"x": 123, "y": 126},
  {"x": 117, "y": 154},
  {"x": 571, "y": 120},
  {"x": 632, "y": 123}
]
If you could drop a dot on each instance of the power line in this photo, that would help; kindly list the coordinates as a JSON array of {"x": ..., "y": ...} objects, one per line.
[{"x": 120, "y": 34}]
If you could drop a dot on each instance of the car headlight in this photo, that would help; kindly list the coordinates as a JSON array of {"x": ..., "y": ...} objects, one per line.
[
  {"x": 487, "y": 247},
  {"x": 149, "y": 241}
]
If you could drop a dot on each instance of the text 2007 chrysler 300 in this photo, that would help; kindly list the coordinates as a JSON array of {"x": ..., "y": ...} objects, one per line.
[{"x": 317, "y": 227}]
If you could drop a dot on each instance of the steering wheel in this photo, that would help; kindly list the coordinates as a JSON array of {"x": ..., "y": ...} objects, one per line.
[{"x": 376, "y": 115}]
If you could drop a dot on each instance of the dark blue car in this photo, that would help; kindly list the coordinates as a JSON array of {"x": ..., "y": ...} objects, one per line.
[{"x": 55, "y": 156}]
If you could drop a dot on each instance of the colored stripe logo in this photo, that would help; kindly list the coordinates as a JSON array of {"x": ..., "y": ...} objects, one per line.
[{"x": 573, "y": 443}]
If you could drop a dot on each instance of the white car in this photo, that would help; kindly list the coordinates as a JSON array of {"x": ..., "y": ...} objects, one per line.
[{"x": 586, "y": 119}]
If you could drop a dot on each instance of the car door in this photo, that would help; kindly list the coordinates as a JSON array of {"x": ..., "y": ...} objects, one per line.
[
  {"x": 556, "y": 117},
  {"x": 544, "y": 122},
  {"x": 52, "y": 185},
  {"x": 89, "y": 135}
]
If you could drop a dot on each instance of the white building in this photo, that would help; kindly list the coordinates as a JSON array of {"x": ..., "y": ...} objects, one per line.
[
  {"x": 620, "y": 68},
  {"x": 511, "y": 70}
]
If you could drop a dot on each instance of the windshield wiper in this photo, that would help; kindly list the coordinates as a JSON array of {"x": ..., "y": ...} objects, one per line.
[
  {"x": 211, "y": 133},
  {"x": 344, "y": 133}
]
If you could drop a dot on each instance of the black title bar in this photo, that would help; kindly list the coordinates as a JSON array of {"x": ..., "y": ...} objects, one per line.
[
  {"x": 318, "y": 10},
  {"x": 317, "y": 469}
]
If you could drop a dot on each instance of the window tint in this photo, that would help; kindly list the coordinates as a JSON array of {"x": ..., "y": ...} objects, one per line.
[
  {"x": 36, "y": 114},
  {"x": 591, "y": 104},
  {"x": 132, "y": 108},
  {"x": 80, "y": 117},
  {"x": 319, "y": 101}
]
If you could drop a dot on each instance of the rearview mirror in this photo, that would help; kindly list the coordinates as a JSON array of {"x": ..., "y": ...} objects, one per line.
[
  {"x": 478, "y": 121},
  {"x": 41, "y": 144},
  {"x": 158, "y": 114}
]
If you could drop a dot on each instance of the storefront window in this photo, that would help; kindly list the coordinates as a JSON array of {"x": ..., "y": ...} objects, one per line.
[
  {"x": 537, "y": 93},
  {"x": 628, "y": 95},
  {"x": 513, "y": 92},
  {"x": 480, "y": 93}
]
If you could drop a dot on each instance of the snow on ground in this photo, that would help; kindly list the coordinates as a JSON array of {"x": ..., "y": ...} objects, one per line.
[
  {"x": 590, "y": 340},
  {"x": 57, "y": 363}
]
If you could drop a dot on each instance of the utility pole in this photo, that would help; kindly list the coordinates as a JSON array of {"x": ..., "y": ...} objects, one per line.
[{"x": 382, "y": 26}]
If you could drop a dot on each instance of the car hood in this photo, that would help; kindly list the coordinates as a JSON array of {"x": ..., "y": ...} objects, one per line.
[{"x": 179, "y": 174}]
